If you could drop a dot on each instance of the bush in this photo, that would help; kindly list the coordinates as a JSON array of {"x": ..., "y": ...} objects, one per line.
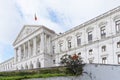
[
  {"x": 73, "y": 63},
  {"x": 35, "y": 73}
]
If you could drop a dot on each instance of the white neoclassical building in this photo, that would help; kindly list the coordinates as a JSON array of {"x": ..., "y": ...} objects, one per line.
[{"x": 97, "y": 41}]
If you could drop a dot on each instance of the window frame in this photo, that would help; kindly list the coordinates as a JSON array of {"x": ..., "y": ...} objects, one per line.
[
  {"x": 90, "y": 51},
  {"x": 69, "y": 44},
  {"x": 118, "y": 44},
  {"x": 117, "y": 26},
  {"x": 103, "y": 48},
  {"x": 78, "y": 40},
  {"x": 104, "y": 60},
  {"x": 90, "y": 36},
  {"x": 60, "y": 47},
  {"x": 103, "y": 32},
  {"x": 118, "y": 57}
]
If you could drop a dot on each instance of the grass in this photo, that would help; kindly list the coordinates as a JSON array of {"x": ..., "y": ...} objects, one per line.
[
  {"x": 31, "y": 76},
  {"x": 37, "y": 73}
]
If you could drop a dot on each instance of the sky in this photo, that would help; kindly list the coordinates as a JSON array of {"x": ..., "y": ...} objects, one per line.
[{"x": 58, "y": 15}]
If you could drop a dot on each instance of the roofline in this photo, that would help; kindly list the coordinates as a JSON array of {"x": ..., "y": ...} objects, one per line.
[
  {"x": 7, "y": 60},
  {"x": 90, "y": 21},
  {"x": 40, "y": 26}
]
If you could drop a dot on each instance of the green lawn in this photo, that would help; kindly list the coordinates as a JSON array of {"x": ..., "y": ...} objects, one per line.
[
  {"x": 36, "y": 73},
  {"x": 31, "y": 76}
]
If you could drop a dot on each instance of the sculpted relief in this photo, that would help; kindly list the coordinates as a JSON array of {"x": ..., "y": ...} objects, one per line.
[{"x": 26, "y": 31}]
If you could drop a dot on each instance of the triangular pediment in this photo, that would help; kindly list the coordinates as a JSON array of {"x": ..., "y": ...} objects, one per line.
[{"x": 26, "y": 31}]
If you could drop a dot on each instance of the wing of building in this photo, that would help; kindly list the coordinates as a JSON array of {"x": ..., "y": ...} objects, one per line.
[{"x": 97, "y": 41}]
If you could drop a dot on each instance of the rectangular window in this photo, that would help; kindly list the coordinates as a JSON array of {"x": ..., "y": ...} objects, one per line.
[
  {"x": 104, "y": 60},
  {"x": 53, "y": 49},
  {"x": 117, "y": 23},
  {"x": 69, "y": 44},
  {"x": 90, "y": 52},
  {"x": 103, "y": 48},
  {"x": 54, "y": 62},
  {"x": 60, "y": 46},
  {"x": 118, "y": 44},
  {"x": 118, "y": 58},
  {"x": 78, "y": 41},
  {"x": 90, "y": 36},
  {"x": 103, "y": 33},
  {"x": 90, "y": 61}
]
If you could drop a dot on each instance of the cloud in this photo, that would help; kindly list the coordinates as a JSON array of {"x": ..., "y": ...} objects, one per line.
[
  {"x": 10, "y": 24},
  {"x": 59, "y": 15}
]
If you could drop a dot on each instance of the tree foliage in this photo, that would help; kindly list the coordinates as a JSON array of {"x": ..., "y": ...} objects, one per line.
[{"x": 73, "y": 63}]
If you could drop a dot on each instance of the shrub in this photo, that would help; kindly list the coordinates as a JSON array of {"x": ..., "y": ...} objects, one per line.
[{"x": 73, "y": 63}]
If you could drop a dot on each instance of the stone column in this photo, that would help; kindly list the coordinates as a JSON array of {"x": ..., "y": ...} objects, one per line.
[
  {"x": 19, "y": 53},
  {"x": 29, "y": 50},
  {"x": 42, "y": 43},
  {"x": 49, "y": 45},
  {"x": 24, "y": 51},
  {"x": 34, "y": 46},
  {"x": 15, "y": 55}
]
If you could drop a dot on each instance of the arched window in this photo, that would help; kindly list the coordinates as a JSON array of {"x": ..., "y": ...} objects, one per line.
[
  {"x": 26, "y": 66},
  {"x": 38, "y": 64},
  {"x": 22, "y": 67},
  {"x": 31, "y": 66}
]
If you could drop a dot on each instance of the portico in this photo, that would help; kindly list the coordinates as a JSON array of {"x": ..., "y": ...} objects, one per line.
[{"x": 29, "y": 47}]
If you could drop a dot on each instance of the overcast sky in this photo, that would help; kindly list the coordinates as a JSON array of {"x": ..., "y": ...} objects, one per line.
[{"x": 59, "y": 15}]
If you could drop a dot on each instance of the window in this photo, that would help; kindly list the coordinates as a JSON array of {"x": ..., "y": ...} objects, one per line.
[
  {"x": 117, "y": 24},
  {"x": 79, "y": 53},
  {"x": 118, "y": 44},
  {"x": 103, "y": 48},
  {"x": 69, "y": 44},
  {"x": 78, "y": 41},
  {"x": 118, "y": 58},
  {"x": 60, "y": 46},
  {"x": 53, "y": 49},
  {"x": 90, "y": 36},
  {"x": 53, "y": 61},
  {"x": 90, "y": 52},
  {"x": 104, "y": 60},
  {"x": 103, "y": 33},
  {"x": 90, "y": 61}
]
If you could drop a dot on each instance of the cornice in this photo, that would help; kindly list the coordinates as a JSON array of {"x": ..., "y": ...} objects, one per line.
[
  {"x": 90, "y": 21},
  {"x": 40, "y": 27},
  {"x": 7, "y": 60},
  {"x": 91, "y": 43}
]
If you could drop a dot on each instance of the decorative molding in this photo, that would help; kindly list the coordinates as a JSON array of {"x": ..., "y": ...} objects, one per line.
[
  {"x": 108, "y": 13},
  {"x": 78, "y": 33},
  {"x": 117, "y": 17},
  {"x": 60, "y": 41},
  {"x": 118, "y": 52},
  {"x": 101, "y": 24},
  {"x": 69, "y": 38},
  {"x": 104, "y": 55},
  {"x": 92, "y": 58},
  {"x": 89, "y": 29}
]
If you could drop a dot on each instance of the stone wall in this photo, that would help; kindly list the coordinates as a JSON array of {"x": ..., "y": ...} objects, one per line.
[{"x": 93, "y": 72}]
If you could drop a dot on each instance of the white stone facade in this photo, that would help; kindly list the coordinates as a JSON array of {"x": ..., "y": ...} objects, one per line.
[{"x": 97, "y": 41}]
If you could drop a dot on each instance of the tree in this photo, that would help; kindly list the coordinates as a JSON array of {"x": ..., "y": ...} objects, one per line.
[{"x": 73, "y": 64}]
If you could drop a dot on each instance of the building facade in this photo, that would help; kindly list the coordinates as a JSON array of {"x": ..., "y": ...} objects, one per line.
[{"x": 97, "y": 41}]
